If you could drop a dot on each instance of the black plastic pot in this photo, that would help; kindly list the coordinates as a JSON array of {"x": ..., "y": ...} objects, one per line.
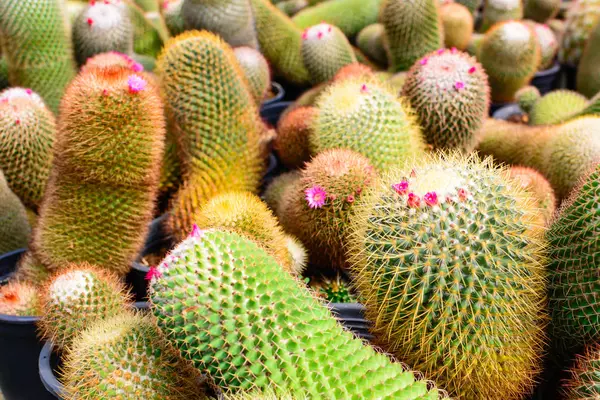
[
  {"x": 278, "y": 94},
  {"x": 548, "y": 79},
  {"x": 496, "y": 106},
  {"x": 507, "y": 111},
  {"x": 272, "y": 112},
  {"x": 19, "y": 347},
  {"x": 351, "y": 316},
  {"x": 569, "y": 76}
]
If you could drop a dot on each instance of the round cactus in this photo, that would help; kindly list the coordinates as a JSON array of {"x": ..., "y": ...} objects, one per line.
[
  {"x": 19, "y": 299},
  {"x": 447, "y": 259},
  {"x": 112, "y": 58},
  {"x": 588, "y": 71},
  {"x": 364, "y": 115},
  {"x": 253, "y": 326},
  {"x": 510, "y": 54},
  {"x": 583, "y": 382},
  {"x": 27, "y": 136},
  {"x": 31, "y": 270},
  {"x": 458, "y": 24},
  {"x": 256, "y": 69},
  {"x": 355, "y": 70},
  {"x": 275, "y": 192},
  {"x": 495, "y": 11},
  {"x": 580, "y": 20},
  {"x": 15, "y": 230},
  {"x": 370, "y": 42},
  {"x": 325, "y": 50},
  {"x": 449, "y": 92},
  {"x": 293, "y": 132},
  {"x": 102, "y": 27},
  {"x": 526, "y": 97},
  {"x": 548, "y": 45},
  {"x": 540, "y": 189},
  {"x": 541, "y": 10},
  {"x": 335, "y": 290},
  {"x": 291, "y": 7},
  {"x": 556, "y": 106},
  {"x": 126, "y": 356},
  {"x": 171, "y": 11},
  {"x": 75, "y": 298},
  {"x": 320, "y": 205},
  {"x": 475, "y": 44},
  {"x": 298, "y": 253}
]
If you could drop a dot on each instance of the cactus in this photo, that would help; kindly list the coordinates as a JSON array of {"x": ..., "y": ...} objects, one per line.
[
  {"x": 15, "y": 230},
  {"x": 475, "y": 44},
  {"x": 325, "y": 50},
  {"x": 31, "y": 270},
  {"x": 291, "y": 7},
  {"x": 269, "y": 394},
  {"x": 75, "y": 298},
  {"x": 526, "y": 97},
  {"x": 412, "y": 29},
  {"x": 19, "y": 299},
  {"x": 293, "y": 132},
  {"x": 256, "y": 69},
  {"x": 558, "y": 28},
  {"x": 37, "y": 46},
  {"x": 457, "y": 22},
  {"x": 99, "y": 28},
  {"x": 472, "y": 5},
  {"x": 541, "y": 10},
  {"x": 108, "y": 153},
  {"x": 318, "y": 208},
  {"x": 447, "y": 259},
  {"x": 510, "y": 54},
  {"x": 583, "y": 382},
  {"x": 588, "y": 79},
  {"x": 349, "y": 15},
  {"x": 148, "y": 36},
  {"x": 126, "y": 357},
  {"x": 495, "y": 11},
  {"x": 449, "y": 92},
  {"x": 280, "y": 41},
  {"x": 580, "y": 20},
  {"x": 230, "y": 19},
  {"x": 335, "y": 290},
  {"x": 170, "y": 171},
  {"x": 365, "y": 116},
  {"x": 148, "y": 5},
  {"x": 573, "y": 247},
  {"x": 253, "y": 326},
  {"x": 354, "y": 70},
  {"x": 275, "y": 192},
  {"x": 112, "y": 58},
  {"x": 27, "y": 136},
  {"x": 298, "y": 253},
  {"x": 3, "y": 73},
  {"x": 556, "y": 106},
  {"x": 370, "y": 42},
  {"x": 548, "y": 45},
  {"x": 172, "y": 14},
  {"x": 540, "y": 189}
]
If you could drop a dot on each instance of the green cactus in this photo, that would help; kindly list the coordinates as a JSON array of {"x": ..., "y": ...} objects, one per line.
[
  {"x": 556, "y": 106},
  {"x": 27, "y": 136},
  {"x": 99, "y": 28},
  {"x": 510, "y": 54},
  {"x": 19, "y": 299},
  {"x": 541, "y": 10},
  {"x": 580, "y": 21},
  {"x": 230, "y": 19},
  {"x": 475, "y": 44},
  {"x": 254, "y": 326},
  {"x": 457, "y": 22},
  {"x": 548, "y": 45},
  {"x": 325, "y": 50},
  {"x": 412, "y": 29},
  {"x": 112, "y": 58},
  {"x": 583, "y": 382},
  {"x": 148, "y": 36},
  {"x": 3, "y": 73},
  {"x": 170, "y": 171},
  {"x": 447, "y": 259},
  {"x": 351, "y": 16},
  {"x": 495, "y": 11},
  {"x": 15, "y": 230},
  {"x": 472, "y": 5},
  {"x": 293, "y": 133},
  {"x": 126, "y": 357},
  {"x": 148, "y": 5},
  {"x": 573, "y": 247},
  {"x": 37, "y": 45},
  {"x": 317, "y": 208},
  {"x": 588, "y": 72},
  {"x": 173, "y": 18},
  {"x": 75, "y": 298},
  {"x": 365, "y": 116},
  {"x": 280, "y": 41},
  {"x": 540, "y": 189},
  {"x": 335, "y": 290},
  {"x": 275, "y": 192},
  {"x": 107, "y": 158},
  {"x": 449, "y": 92},
  {"x": 526, "y": 97},
  {"x": 31, "y": 270},
  {"x": 370, "y": 42},
  {"x": 292, "y": 7},
  {"x": 256, "y": 69},
  {"x": 269, "y": 394}
]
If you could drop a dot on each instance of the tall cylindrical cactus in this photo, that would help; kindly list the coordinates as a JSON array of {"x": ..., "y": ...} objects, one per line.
[
  {"x": 104, "y": 181},
  {"x": 458, "y": 25}
]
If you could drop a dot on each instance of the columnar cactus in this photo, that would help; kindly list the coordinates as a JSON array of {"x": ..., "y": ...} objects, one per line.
[
  {"x": 370, "y": 42},
  {"x": 257, "y": 70},
  {"x": 495, "y": 11},
  {"x": 108, "y": 154},
  {"x": 325, "y": 50},
  {"x": 510, "y": 54},
  {"x": 27, "y": 136},
  {"x": 447, "y": 259},
  {"x": 253, "y": 326},
  {"x": 412, "y": 29},
  {"x": 457, "y": 22},
  {"x": 449, "y": 92},
  {"x": 37, "y": 45},
  {"x": 230, "y": 19},
  {"x": 19, "y": 299}
]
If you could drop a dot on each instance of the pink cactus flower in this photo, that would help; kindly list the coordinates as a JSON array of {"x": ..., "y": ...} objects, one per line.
[
  {"x": 441, "y": 51},
  {"x": 462, "y": 194},
  {"x": 153, "y": 272},
  {"x": 424, "y": 61},
  {"x": 401, "y": 188},
  {"x": 472, "y": 70},
  {"x": 196, "y": 232},
  {"x": 137, "y": 67},
  {"x": 364, "y": 89},
  {"x": 136, "y": 84},
  {"x": 90, "y": 21},
  {"x": 459, "y": 85},
  {"x": 315, "y": 196},
  {"x": 414, "y": 201},
  {"x": 431, "y": 199},
  {"x": 350, "y": 199}
]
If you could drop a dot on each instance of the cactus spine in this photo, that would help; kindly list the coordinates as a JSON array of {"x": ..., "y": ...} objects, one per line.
[
  {"x": 588, "y": 71},
  {"x": 293, "y": 133},
  {"x": 15, "y": 230},
  {"x": 19, "y": 299},
  {"x": 583, "y": 382},
  {"x": 457, "y": 22}
]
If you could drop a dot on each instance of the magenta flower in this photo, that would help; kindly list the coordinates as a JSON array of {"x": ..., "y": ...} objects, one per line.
[
  {"x": 153, "y": 272},
  {"x": 459, "y": 85},
  {"x": 472, "y": 70},
  {"x": 316, "y": 196},
  {"x": 431, "y": 199},
  {"x": 423, "y": 61},
  {"x": 137, "y": 67},
  {"x": 364, "y": 89},
  {"x": 401, "y": 188},
  {"x": 196, "y": 232},
  {"x": 90, "y": 21},
  {"x": 28, "y": 91},
  {"x": 441, "y": 51},
  {"x": 453, "y": 50},
  {"x": 462, "y": 194},
  {"x": 136, "y": 84},
  {"x": 414, "y": 201},
  {"x": 350, "y": 199}
]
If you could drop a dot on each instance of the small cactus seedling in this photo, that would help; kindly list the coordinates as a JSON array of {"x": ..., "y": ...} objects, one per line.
[
  {"x": 293, "y": 133},
  {"x": 325, "y": 50},
  {"x": 19, "y": 299},
  {"x": 256, "y": 69},
  {"x": 526, "y": 97},
  {"x": 334, "y": 290},
  {"x": 458, "y": 23}
]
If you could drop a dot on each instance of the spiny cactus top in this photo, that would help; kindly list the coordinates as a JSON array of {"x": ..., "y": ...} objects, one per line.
[
  {"x": 112, "y": 58},
  {"x": 27, "y": 136},
  {"x": 449, "y": 92},
  {"x": 252, "y": 325},
  {"x": 574, "y": 247},
  {"x": 458, "y": 25},
  {"x": 19, "y": 299},
  {"x": 447, "y": 260},
  {"x": 526, "y": 97},
  {"x": 548, "y": 45}
]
